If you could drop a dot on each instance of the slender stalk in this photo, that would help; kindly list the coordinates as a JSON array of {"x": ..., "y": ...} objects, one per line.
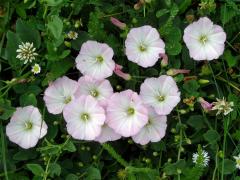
[
  {"x": 214, "y": 78},
  {"x": 226, "y": 123},
  {"x": 181, "y": 133},
  {"x": 3, "y": 152},
  {"x": 46, "y": 170}
]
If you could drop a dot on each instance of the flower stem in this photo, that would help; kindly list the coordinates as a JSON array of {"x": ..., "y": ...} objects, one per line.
[
  {"x": 226, "y": 123},
  {"x": 214, "y": 78},
  {"x": 46, "y": 170},
  {"x": 180, "y": 141},
  {"x": 114, "y": 154},
  {"x": 3, "y": 152}
]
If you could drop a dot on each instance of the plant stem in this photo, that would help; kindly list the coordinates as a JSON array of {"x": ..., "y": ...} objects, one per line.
[
  {"x": 214, "y": 78},
  {"x": 226, "y": 123},
  {"x": 46, "y": 170},
  {"x": 3, "y": 152},
  {"x": 180, "y": 141}
]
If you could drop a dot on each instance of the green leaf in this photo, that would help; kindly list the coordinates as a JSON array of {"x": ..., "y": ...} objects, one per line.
[
  {"x": 173, "y": 48},
  {"x": 93, "y": 174},
  {"x": 231, "y": 60},
  {"x": 54, "y": 169},
  {"x": 24, "y": 155},
  {"x": 13, "y": 41},
  {"x": 70, "y": 147},
  {"x": 196, "y": 121},
  {"x": 211, "y": 136},
  {"x": 53, "y": 2},
  {"x": 229, "y": 166},
  {"x": 161, "y": 12},
  {"x": 82, "y": 37},
  {"x": 36, "y": 169},
  {"x": 27, "y": 33},
  {"x": 55, "y": 26},
  {"x": 191, "y": 88},
  {"x": 6, "y": 110},
  {"x": 72, "y": 177},
  {"x": 171, "y": 169},
  {"x": 28, "y": 99}
]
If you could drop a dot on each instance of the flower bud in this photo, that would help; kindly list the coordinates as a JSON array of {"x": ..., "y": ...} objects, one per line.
[
  {"x": 203, "y": 81},
  {"x": 118, "y": 23}
]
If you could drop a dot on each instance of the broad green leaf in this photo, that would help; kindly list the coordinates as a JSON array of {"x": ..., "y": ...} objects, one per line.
[
  {"x": 231, "y": 60},
  {"x": 191, "y": 88},
  {"x": 93, "y": 174},
  {"x": 72, "y": 177},
  {"x": 28, "y": 33},
  {"x": 36, "y": 169},
  {"x": 70, "y": 147},
  {"x": 229, "y": 166},
  {"x": 196, "y": 121},
  {"x": 6, "y": 110},
  {"x": 28, "y": 99},
  {"x": 161, "y": 12},
  {"x": 24, "y": 155},
  {"x": 211, "y": 136},
  {"x": 55, "y": 26},
  {"x": 54, "y": 169}
]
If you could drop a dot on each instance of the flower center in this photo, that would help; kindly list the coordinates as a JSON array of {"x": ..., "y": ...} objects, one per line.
[
  {"x": 28, "y": 125},
  {"x": 85, "y": 116},
  {"x": 160, "y": 98},
  {"x": 238, "y": 161},
  {"x": 130, "y": 111},
  {"x": 94, "y": 93},
  {"x": 142, "y": 48},
  {"x": 203, "y": 39},
  {"x": 99, "y": 59},
  {"x": 67, "y": 100}
]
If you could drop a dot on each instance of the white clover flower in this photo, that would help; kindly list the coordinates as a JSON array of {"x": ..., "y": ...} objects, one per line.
[
  {"x": 26, "y": 52},
  {"x": 237, "y": 158},
  {"x": 201, "y": 158},
  {"x": 222, "y": 106},
  {"x": 72, "y": 35},
  {"x": 36, "y": 69}
]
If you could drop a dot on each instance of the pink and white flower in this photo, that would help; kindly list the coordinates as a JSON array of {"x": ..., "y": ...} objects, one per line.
[
  {"x": 59, "y": 93},
  {"x": 26, "y": 127},
  {"x": 204, "y": 39},
  {"x": 101, "y": 90},
  {"x": 126, "y": 113},
  {"x": 107, "y": 134},
  {"x": 143, "y": 46},
  {"x": 154, "y": 130},
  {"x": 161, "y": 93},
  {"x": 95, "y": 60},
  {"x": 84, "y": 117}
]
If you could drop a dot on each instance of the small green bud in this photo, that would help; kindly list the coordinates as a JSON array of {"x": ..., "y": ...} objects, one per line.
[
  {"x": 148, "y": 160},
  {"x": 67, "y": 44},
  {"x": 179, "y": 171},
  {"x": 203, "y": 81},
  {"x": 94, "y": 157},
  {"x": 155, "y": 154}
]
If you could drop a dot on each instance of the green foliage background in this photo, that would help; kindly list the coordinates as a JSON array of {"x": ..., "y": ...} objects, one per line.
[{"x": 57, "y": 156}]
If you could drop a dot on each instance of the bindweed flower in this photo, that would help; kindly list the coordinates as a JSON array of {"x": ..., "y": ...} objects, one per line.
[
  {"x": 95, "y": 60},
  {"x": 161, "y": 93},
  {"x": 204, "y": 39},
  {"x": 173, "y": 72},
  {"x": 26, "y": 127},
  {"x": 118, "y": 72},
  {"x": 107, "y": 134},
  {"x": 26, "y": 52},
  {"x": 72, "y": 35},
  {"x": 126, "y": 113},
  {"x": 118, "y": 23},
  {"x": 237, "y": 159},
  {"x": 222, "y": 106},
  {"x": 154, "y": 130},
  {"x": 101, "y": 90},
  {"x": 36, "y": 69},
  {"x": 59, "y": 93},
  {"x": 84, "y": 117},
  {"x": 164, "y": 61},
  {"x": 143, "y": 46},
  {"x": 201, "y": 158},
  {"x": 205, "y": 105}
]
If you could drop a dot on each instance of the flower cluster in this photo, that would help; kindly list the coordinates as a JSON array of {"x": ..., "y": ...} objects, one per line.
[
  {"x": 90, "y": 107},
  {"x": 201, "y": 158}
]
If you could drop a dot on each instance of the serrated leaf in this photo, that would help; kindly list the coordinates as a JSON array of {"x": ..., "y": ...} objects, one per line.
[
  {"x": 54, "y": 169},
  {"x": 93, "y": 174},
  {"x": 196, "y": 121},
  {"x": 161, "y": 12}
]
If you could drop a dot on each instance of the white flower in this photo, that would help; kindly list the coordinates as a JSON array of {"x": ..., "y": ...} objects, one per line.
[
  {"x": 204, "y": 39},
  {"x": 72, "y": 35},
  {"x": 26, "y": 127},
  {"x": 222, "y": 106},
  {"x": 95, "y": 60},
  {"x": 36, "y": 69},
  {"x": 59, "y": 94},
  {"x": 154, "y": 130},
  {"x": 201, "y": 158},
  {"x": 26, "y": 52},
  {"x": 84, "y": 117},
  {"x": 237, "y": 158},
  {"x": 161, "y": 93},
  {"x": 143, "y": 46}
]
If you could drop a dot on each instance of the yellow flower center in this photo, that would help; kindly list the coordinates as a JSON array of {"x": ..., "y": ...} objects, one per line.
[
  {"x": 85, "y": 116},
  {"x": 142, "y": 48},
  {"x": 67, "y": 100},
  {"x": 161, "y": 98},
  {"x": 28, "y": 125},
  {"x": 94, "y": 93},
  {"x": 130, "y": 111},
  {"x": 203, "y": 39},
  {"x": 99, "y": 59}
]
